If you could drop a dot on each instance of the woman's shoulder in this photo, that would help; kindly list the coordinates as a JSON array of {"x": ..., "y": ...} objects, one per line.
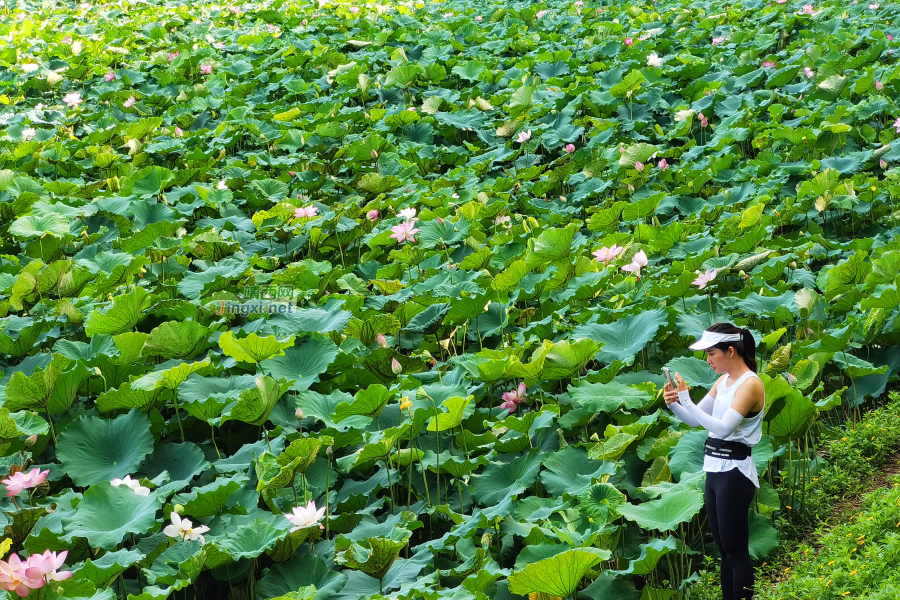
[{"x": 712, "y": 391}]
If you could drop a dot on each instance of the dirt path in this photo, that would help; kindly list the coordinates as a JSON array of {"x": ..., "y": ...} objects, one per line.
[{"x": 774, "y": 572}]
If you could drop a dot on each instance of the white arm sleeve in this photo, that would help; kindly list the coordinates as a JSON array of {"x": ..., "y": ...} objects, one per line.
[
  {"x": 681, "y": 411},
  {"x": 721, "y": 427}
]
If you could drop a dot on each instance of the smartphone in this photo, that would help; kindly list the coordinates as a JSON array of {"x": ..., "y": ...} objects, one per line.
[{"x": 668, "y": 376}]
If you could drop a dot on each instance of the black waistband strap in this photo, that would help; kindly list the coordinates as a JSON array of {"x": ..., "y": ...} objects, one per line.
[{"x": 726, "y": 449}]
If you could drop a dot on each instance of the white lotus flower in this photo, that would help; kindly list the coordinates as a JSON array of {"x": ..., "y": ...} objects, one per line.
[
  {"x": 408, "y": 213},
  {"x": 222, "y": 185},
  {"x": 305, "y": 516},
  {"x": 184, "y": 529},
  {"x": 133, "y": 484},
  {"x": 654, "y": 60},
  {"x": 28, "y": 134},
  {"x": 29, "y": 67}
]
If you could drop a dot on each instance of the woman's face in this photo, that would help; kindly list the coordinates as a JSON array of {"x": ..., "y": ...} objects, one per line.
[{"x": 718, "y": 360}]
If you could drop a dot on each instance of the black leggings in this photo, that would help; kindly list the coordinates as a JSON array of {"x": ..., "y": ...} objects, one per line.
[{"x": 728, "y": 498}]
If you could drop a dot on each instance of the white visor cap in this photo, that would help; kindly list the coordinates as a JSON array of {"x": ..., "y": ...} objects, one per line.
[{"x": 710, "y": 339}]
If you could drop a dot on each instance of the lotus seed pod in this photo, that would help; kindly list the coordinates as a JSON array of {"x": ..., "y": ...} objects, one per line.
[{"x": 487, "y": 540}]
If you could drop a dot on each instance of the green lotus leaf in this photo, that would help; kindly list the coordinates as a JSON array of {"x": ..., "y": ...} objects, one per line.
[
  {"x": 35, "y": 391},
  {"x": 790, "y": 418},
  {"x": 612, "y": 448},
  {"x": 763, "y": 536},
  {"x": 651, "y": 553},
  {"x": 600, "y": 501},
  {"x": 428, "y": 320},
  {"x": 570, "y": 471},
  {"x": 210, "y": 500},
  {"x": 254, "y": 405},
  {"x": 170, "y": 378},
  {"x": 368, "y": 403},
  {"x": 558, "y": 575},
  {"x": 805, "y": 372},
  {"x": 302, "y": 364},
  {"x": 301, "y": 571},
  {"x": 250, "y": 540},
  {"x": 126, "y": 397},
  {"x": 102, "y": 571},
  {"x": 181, "y": 461},
  {"x": 665, "y": 513},
  {"x": 107, "y": 514},
  {"x": 253, "y": 348},
  {"x": 373, "y": 555},
  {"x": 608, "y": 397},
  {"x": 100, "y": 346},
  {"x": 93, "y": 450},
  {"x": 33, "y": 226},
  {"x": 456, "y": 411},
  {"x": 122, "y": 316},
  {"x": 509, "y": 476},
  {"x": 179, "y": 565},
  {"x": 176, "y": 339},
  {"x": 624, "y": 338},
  {"x": 696, "y": 372}
]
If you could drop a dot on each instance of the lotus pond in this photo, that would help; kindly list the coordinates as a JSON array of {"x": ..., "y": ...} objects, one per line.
[{"x": 350, "y": 301}]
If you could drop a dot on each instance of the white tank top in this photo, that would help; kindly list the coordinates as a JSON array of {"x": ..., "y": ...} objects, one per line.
[{"x": 749, "y": 431}]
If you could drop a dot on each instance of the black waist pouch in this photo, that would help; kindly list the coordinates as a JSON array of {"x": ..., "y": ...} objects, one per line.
[{"x": 726, "y": 449}]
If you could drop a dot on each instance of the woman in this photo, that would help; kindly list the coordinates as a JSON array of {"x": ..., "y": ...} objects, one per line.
[{"x": 733, "y": 414}]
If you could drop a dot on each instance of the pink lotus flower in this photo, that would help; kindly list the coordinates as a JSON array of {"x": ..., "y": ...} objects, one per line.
[
  {"x": 129, "y": 103},
  {"x": 478, "y": 18},
  {"x": 206, "y": 69},
  {"x": 769, "y": 64},
  {"x": 110, "y": 76},
  {"x": 382, "y": 341},
  {"x": 305, "y": 516},
  {"x": 896, "y": 125},
  {"x": 639, "y": 166},
  {"x": 354, "y": 9},
  {"x": 396, "y": 367},
  {"x": 718, "y": 40},
  {"x": 663, "y": 165},
  {"x": 14, "y": 578},
  {"x": 890, "y": 38},
  {"x": 570, "y": 148},
  {"x": 703, "y": 121},
  {"x": 879, "y": 86},
  {"x": 874, "y": 6},
  {"x": 447, "y": 15},
  {"x": 637, "y": 262},
  {"x": 73, "y": 99},
  {"x": 781, "y": 1},
  {"x": 172, "y": 55},
  {"x": 607, "y": 255},
  {"x": 808, "y": 9},
  {"x": 408, "y": 213},
  {"x": 46, "y": 566},
  {"x": 629, "y": 41},
  {"x": 512, "y": 398},
  {"x": 808, "y": 72},
  {"x": 405, "y": 232},
  {"x": 304, "y": 212},
  {"x": 704, "y": 278},
  {"x": 178, "y": 131},
  {"x": 540, "y": 14},
  {"x": 524, "y": 136},
  {"x": 20, "y": 481},
  {"x": 372, "y": 215}
]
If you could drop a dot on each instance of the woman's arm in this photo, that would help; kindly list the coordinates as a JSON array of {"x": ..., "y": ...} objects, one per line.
[{"x": 746, "y": 398}]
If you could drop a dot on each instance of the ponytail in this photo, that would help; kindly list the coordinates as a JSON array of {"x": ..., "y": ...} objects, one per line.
[{"x": 746, "y": 347}]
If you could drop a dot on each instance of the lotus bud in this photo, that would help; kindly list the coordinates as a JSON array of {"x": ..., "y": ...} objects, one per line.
[
  {"x": 487, "y": 540},
  {"x": 292, "y": 174},
  {"x": 790, "y": 379},
  {"x": 298, "y": 413},
  {"x": 329, "y": 450},
  {"x": 97, "y": 372},
  {"x": 793, "y": 264},
  {"x": 882, "y": 163},
  {"x": 381, "y": 341},
  {"x": 374, "y": 154},
  {"x": 30, "y": 441},
  {"x": 396, "y": 367},
  {"x": 178, "y": 509}
]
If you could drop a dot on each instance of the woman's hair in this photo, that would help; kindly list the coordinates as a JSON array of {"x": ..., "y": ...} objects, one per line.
[{"x": 746, "y": 347}]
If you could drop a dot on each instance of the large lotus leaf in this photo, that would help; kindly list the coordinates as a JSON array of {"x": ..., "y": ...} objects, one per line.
[
  {"x": 368, "y": 402},
  {"x": 687, "y": 455},
  {"x": 176, "y": 339},
  {"x": 608, "y": 397},
  {"x": 509, "y": 476},
  {"x": 126, "y": 397},
  {"x": 255, "y": 404},
  {"x": 34, "y": 391},
  {"x": 600, "y": 501},
  {"x": 651, "y": 553},
  {"x": 665, "y": 513},
  {"x": 429, "y": 319},
  {"x": 302, "y": 364},
  {"x": 373, "y": 555},
  {"x": 696, "y": 372},
  {"x": 325, "y": 318},
  {"x": 181, "y": 461},
  {"x": 853, "y": 366},
  {"x": 624, "y": 338},
  {"x": 178, "y": 565},
  {"x": 169, "y": 378},
  {"x": 210, "y": 500},
  {"x": 250, "y": 540},
  {"x": 305, "y": 593},
  {"x": 93, "y": 450},
  {"x": 636, "y": 153},
  {"x": 456, "y": 411},
  {"x": 570, "y": 471},
  {"x": 103, "y": 570},
  {"x": 793, "y": 419},
  {"x": 33, "y": 226},
  {"x": 100, "y": 346},
  {"x": 253, "y": 348},
  {"x": 108, "y": 514},
  {"x": 301, "y": 571},
  {"x": 558, "y": 575},
  {"x": 24, "y": 423},
  {"x": 205, "y": 397},
  {"x": 805, "y": 372},
  {"x": 551, "y": 245},
  {"x": 607, "y": 586},
  {"x": 763, "y": 536},
  {"x": 566, "y": 359},
  {"x": 122, "y": 316},
  {"x": 612, "y": 448}
]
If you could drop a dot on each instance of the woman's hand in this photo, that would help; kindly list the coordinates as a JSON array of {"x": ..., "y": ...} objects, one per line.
[{"x": 671, "y": 395}]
